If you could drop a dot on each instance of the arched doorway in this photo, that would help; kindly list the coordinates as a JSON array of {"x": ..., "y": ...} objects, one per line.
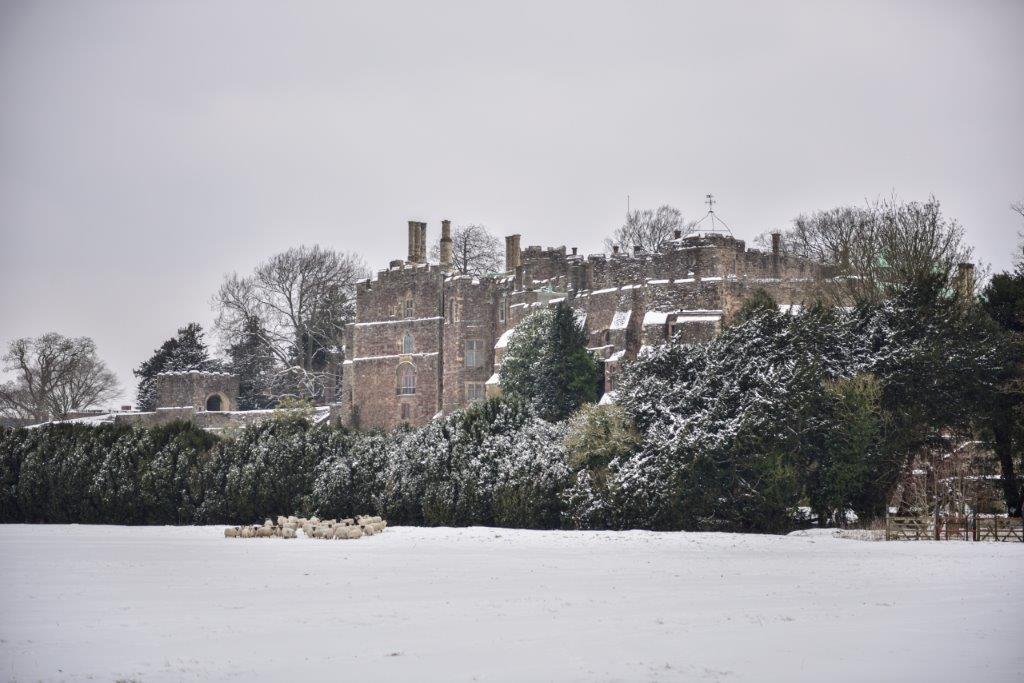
[{"x": 213, "y": 403}]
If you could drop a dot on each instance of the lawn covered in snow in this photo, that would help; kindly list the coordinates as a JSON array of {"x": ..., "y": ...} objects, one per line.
[{"x": 173, "y": 603}]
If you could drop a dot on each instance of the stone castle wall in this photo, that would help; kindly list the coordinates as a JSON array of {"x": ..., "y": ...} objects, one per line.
[{"x": 449, "y": 328}]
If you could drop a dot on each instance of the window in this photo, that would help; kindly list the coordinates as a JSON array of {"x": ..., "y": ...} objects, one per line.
[
  {"x": 474, "y": 353},
  {"x": 475, "y": 391},
  {"x": 409, "y": 309},
  {"x": 502, "y": 305},
  {"x": 407, "y": 343},
  {"x": 406, "y": 411},
  {"x": 406, "y": 379}
]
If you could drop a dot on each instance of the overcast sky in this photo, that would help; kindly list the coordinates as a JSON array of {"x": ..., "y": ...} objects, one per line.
[{"x": 146, "y": 148}]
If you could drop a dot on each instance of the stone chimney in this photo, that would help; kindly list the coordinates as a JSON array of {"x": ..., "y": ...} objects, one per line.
[
  {"x": 574, "y": 251},
  {"x": 615, "y": 249},
  {"x": 513, "y": 255},
  {"x": 446, "y": 245},
  {"x": 677, "y": 233},
  {"x": 965, "y": 281},
  {"x": 417, "y": 242}
]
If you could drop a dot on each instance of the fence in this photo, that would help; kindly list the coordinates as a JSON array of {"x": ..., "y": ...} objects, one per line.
[{"x": 954, "y": 529}]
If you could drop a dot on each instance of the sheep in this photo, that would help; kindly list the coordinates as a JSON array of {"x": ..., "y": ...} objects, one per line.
[
  {"x": 231, "y": 532},
  {"x": 246, "y": 532},
  {"x": 323, "y": 532},
  {"x": 367, "y": 530},
  {"x": 281, "y": 520},
  {"x": 341, "y": 531},
  {"x": 264, "y": 532},
  {"x": 354, "y": 532},
  {"x": 314, "y": 520},
  {"x": 287, "y": 532}
]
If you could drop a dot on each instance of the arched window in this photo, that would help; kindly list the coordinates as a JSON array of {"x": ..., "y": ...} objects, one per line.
[
  {"x": 406, "y": 379},
  {"x": 407, "y": 343}
]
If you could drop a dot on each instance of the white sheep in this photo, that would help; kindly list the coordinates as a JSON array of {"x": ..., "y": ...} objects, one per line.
[
  {"x": 354, "y": 532},
  {"x": 341, "y": 531},
  {"x": 264, "y": 532},
  {"x": 367, "y": 530},
  {"x": 287, "y": 532},
  {"x": 231, "y": 532}
]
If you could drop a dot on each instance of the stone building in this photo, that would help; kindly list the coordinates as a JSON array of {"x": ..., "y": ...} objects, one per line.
[
  {"x": 426, "y": 341},
  {"x": 200, "y": 391}
]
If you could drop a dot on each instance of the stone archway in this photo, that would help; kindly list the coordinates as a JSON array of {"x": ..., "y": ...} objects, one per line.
[{"x": 215, "y": 403}]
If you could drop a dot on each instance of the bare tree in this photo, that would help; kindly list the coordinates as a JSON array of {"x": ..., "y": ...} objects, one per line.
[
  {"x": 301, "y": 299},
  {"x": 475, "y": 251},
  {"x": 647, "y": 229},
  {"x": 877, "y": 249},
  {"x": 54, "y": 376}
]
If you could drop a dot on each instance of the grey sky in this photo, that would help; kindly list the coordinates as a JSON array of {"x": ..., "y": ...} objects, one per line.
[{"x": 147, "y": 147}]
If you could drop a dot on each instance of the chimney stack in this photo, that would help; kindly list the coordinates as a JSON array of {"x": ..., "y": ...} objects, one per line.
[
  {"x": 615, "y": 249},
  {"x": 520, "y": 272},
  {"x": 574, "y": 251},
  {"x": 776, "y": 242},
  {"x": 965, "y": 281},
  {"x": 513, "y": 255},
  {"x": 677, "y": 233},
  {"x": 446, "y": 245},
  {"x": 417, "y": 242}
]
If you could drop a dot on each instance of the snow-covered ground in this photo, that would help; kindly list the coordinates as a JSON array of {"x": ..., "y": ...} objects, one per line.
[{"x": 163, "y": 603}]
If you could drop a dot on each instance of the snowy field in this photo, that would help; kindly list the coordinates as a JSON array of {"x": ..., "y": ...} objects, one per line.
[{"x": 161, "y": 603}]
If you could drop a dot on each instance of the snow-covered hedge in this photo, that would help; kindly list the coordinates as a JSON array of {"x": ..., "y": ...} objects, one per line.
[{"x": 821, "y": 409}]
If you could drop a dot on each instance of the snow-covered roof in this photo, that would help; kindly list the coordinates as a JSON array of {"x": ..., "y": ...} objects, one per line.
[
  {"x": 608, "y": 398},
  {"x": 503, "y": 339},
  {"x": 494, "y": 379},
  {"x": 617, "y": 356},
  {"x": 655, "y": 318},
  {"x": 698, "y": 319}
]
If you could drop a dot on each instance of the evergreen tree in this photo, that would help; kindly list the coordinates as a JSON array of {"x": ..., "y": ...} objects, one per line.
[
  {"x": 185, "y": 351},
  {"x": 547, "y": 364},
  {"x": 1003, "y": 300},
  {"x": 252, "y": 359}
]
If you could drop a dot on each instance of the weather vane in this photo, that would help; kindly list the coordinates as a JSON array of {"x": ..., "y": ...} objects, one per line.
[{"x": 715, "y": 224}]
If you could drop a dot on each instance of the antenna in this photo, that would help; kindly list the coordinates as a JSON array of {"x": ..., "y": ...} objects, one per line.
[
  {"x": 713, "y": 221},
  {"x": 627, "y": 204}
]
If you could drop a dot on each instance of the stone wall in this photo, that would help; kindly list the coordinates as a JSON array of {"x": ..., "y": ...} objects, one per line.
[
  {"x": 689, "y": 288},
  {"x": 197, "y": 390}
]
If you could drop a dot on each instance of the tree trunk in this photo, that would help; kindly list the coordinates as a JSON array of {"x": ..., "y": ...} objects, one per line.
[{"x": 1003, "y": 438}]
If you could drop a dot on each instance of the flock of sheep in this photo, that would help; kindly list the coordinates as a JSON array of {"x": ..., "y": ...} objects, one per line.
[{"x": 313, "y": 527}]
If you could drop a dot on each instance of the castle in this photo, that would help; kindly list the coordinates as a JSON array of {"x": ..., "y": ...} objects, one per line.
[{"x": 427, "y": 341}]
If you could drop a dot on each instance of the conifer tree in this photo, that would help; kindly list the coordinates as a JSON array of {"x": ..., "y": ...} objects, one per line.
[
  {"x": 548, "y": 366},
  {"x": 185, "y": 351}
]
